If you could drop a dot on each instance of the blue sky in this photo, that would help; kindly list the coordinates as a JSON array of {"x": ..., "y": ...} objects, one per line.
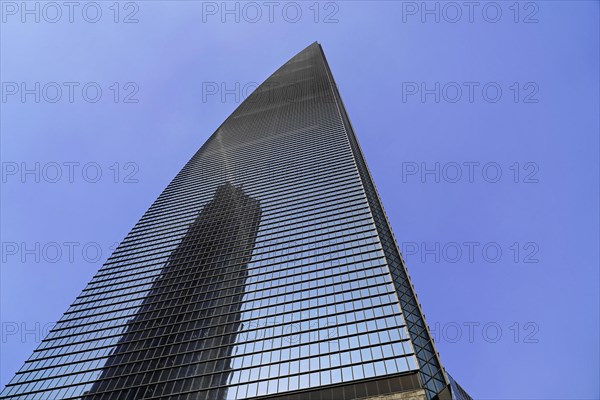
[{"x": 480, "y": 127}]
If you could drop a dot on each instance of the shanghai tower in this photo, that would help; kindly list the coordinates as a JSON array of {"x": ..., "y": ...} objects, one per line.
[{"x": 266, "y": 269}]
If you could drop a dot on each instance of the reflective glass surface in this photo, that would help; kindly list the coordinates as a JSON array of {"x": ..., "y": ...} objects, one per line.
[{"x": 265, "y": 267}]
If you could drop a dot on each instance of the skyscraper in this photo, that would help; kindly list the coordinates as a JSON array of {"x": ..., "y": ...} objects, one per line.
[{"x": 265, "y": 269}]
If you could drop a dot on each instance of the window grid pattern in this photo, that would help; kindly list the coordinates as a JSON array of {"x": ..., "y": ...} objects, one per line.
[
  {"x": 262, "y": 269},
  {"x": 432, "y": 374}
]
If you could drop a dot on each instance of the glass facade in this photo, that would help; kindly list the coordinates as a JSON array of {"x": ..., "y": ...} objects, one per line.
[{"x": 265, "y": 268}]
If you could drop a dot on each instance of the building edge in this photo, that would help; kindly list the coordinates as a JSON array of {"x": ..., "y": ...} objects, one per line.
[{"x": 437, "y": 384}]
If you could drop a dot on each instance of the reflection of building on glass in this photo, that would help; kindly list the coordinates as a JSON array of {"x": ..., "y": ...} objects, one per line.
[{"x": 186, "y": 327}]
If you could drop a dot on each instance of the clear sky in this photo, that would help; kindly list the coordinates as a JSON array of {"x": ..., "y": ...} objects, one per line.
[{"x": 479, "y": 123}]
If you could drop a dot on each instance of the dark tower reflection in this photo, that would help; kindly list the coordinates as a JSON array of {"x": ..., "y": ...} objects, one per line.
[{"x": 182, "y": 338}]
